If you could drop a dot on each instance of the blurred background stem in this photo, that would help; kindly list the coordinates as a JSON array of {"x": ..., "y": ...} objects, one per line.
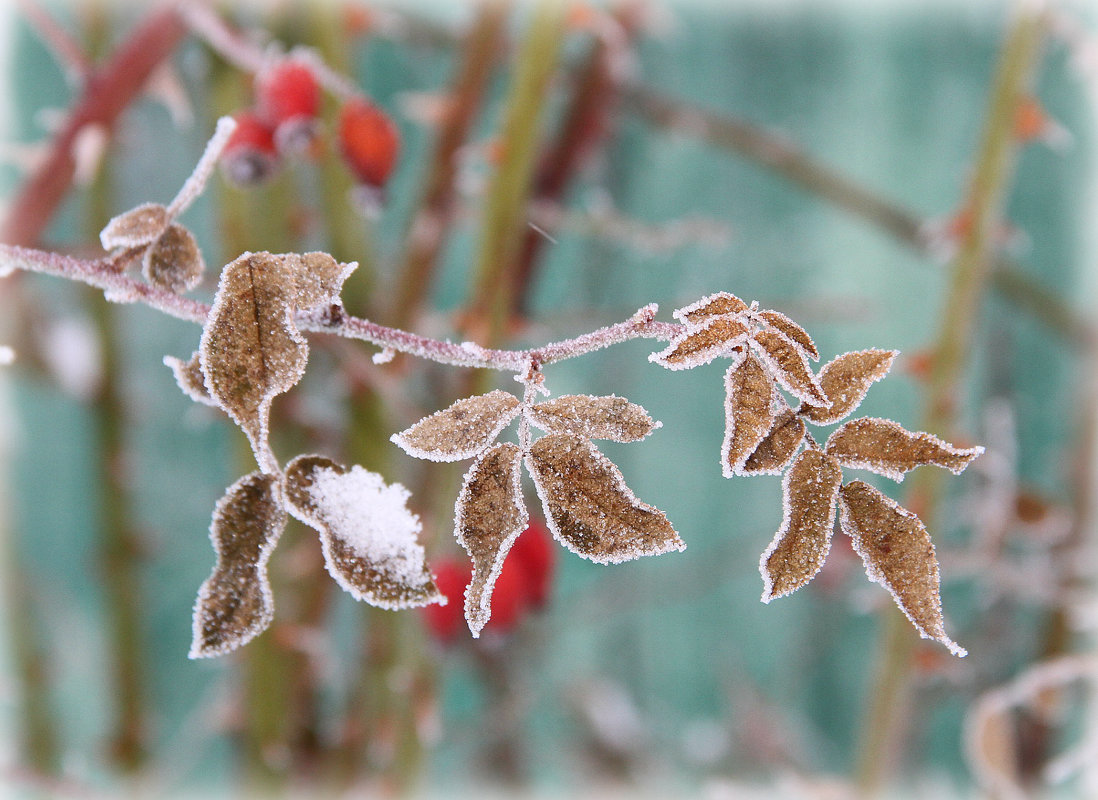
[{"x": 970, "y": 271}]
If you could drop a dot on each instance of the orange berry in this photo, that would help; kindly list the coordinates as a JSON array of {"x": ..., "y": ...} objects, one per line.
[{"x": 369, "y": 141}]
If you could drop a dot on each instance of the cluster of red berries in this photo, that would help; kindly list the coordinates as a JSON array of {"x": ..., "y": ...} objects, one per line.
[
  {"x": 523, "y": 586},
  {"x": 285, "y": 122}
]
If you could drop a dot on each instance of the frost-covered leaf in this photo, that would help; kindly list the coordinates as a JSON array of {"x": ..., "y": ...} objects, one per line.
[
  {"x": 697, "y": 346},
  {"x": 845, "y": 380},
  {"x": 235, "y": 604},
  {"x": 490, "y": 515},
  {"x": 607, "y": 417},
  {"x": 462, "y": 430},
  {"x": 748, "y": 412},
  {"x": 713, "y": 305},
  {"x": 251, "y": 350},
  {"x": 319, "y": 279},
  {"x": 792, "y": 331},
  {"x": 885, "y": 447},
  {"x": 809, "y": 491},
  {"x": 775, "y": 452},
  {"x": 174, "y": 262},
  {"x": 898, "y": 554},
  {"x": 135, "y": 227},
  {"x": 588, "y": 506},
  {"x": 789, "y": 366},
  {"x": 368, "y": 535},
  {"x": 188, "y": 374}
]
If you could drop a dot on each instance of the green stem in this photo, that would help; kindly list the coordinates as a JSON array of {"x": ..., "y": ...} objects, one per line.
[{"x": 969, "y": 279}]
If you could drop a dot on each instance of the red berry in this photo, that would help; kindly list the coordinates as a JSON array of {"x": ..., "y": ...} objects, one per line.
[
  {"x": 534, "y": 555},
  {"x": 369, "y": 141},
  {"x": 287, "y": 89},
  {"x": 249, "y": 156},
  {"x": 508, "y": 600},
  {"x": 444, "y": 622}
]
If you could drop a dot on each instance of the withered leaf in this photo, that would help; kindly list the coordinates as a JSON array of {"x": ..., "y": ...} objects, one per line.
[
  {"x": 792, "y": 331},
  {"x": 174, "y": 262},
  {"x": 748, "y": 412},
  {"x": 789, "y": 366},
  {"x": 700, "y": 345},
  {"x": 845, "y": 380},
  {"x": 713, "y": 305},
  {"x": 367, "y": 533},
  {"x": 809, "y": 492},
  {"x": 188, "y": 374},
  {"x": 319, "y": 279},
  {"x": 898, "y": 554},
  {"x": 235, "y": 604},
  {"x": 607, "y": 417},
  {"x": 135, "y": 227},
  {"x": 462, "y": 430},
  {"x": 885, "y": 447},
  {"x": 251, "y": 350},
  {"x": 490, "y": 516},
  {"x": 775, "y": 452},
  {"x": 588, "y": 506}
]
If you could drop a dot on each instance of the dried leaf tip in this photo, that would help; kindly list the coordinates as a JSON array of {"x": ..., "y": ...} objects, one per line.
[
  {"x": 846, "y": 380},
  {"x": 885, "y": 447},
  {"x": 698, "y": 345},
  {"x": 713, "y": 305}
]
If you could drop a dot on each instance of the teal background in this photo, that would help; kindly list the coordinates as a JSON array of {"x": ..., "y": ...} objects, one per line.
[{"x": 893, "y": 97}]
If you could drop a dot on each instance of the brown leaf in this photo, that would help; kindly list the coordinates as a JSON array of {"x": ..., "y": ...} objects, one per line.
[
  {"x": 461, "y": 431},
  {"x": 188, "y": 374},
  {"x": 368, "y": 535},
  {"x": 885, "y": 447},
  {"x": 898, "y": 554},
  {"x": 748, "y": 412},
  {"x": 775, "y": 452},
  {"x": 135, "y": 227},
  {"x": 809, "y": 492},
  {"x": 235, "y": 604},
  {"x": 792, "y": 331},
  {"x": 609, "y": 417},
  {"x": 588, "y": 506},
  {"x": 174, "y": 262},
  {"x": 845, "y": 380},
  {"x": 789, "y": 366},
  {"x": 319, "y": 279},
  {"x": 251, "y": 350},
  {"x": 490, "y": 516},
  {"x": 697, "y": 346},
  {"x": 713, "y": 305}
]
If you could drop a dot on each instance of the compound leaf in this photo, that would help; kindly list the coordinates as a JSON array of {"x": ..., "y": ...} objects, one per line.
[
  {"x": 235, "y": 603},
  {"x": 588, "y": 506},
  {"x": 898, "y": 554},
  {"x": 489, "y": 518},
  {"x": 809, "y": 492},
  {"x": 367, "y": 533}
]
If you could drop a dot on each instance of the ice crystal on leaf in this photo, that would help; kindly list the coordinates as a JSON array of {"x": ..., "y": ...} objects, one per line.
[
  {"x": 791, "y": 331},
  {"x": 898, "y": 554},
  {"x": 235, "y": 604},
  {"x": 188, "y": 374},
  {"x": 588, "y": 506},
  {"x": 777, "y": 449},
  {"x": 845, "y": 380},
  {"x": 748, "y": 412},
  {"x": 490, "y": 515},
  {"x": 713, "y": 305},
  {"x": 789, "y": 365},
  {"x": 885, "y": 447},
  {"x": 136, "y": 227},
  {"x": 809, "y": 492},
  {"x": 462, "y": 430},
  {"x": 368, "y": 535},
  {"x": 174, "y": 262},
  {"x": 607, "y": 417}
]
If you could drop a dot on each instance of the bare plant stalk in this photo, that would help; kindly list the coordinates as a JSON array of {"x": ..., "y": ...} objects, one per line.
[{"x": 970, "y": 274}]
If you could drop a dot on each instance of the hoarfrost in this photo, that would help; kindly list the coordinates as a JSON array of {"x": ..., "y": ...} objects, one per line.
[
  {"x": 606, "y": 417},
  {"x": 748, "y": 412},
  {"x": 709, "y": 306},
  {"x": 846, "y": 380},
  {"x": 700, "y": 345},
  {"x": 462, "y": 430},
  {"x": 885, "y": 447},
  {"x": 789, "y": 365}
]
